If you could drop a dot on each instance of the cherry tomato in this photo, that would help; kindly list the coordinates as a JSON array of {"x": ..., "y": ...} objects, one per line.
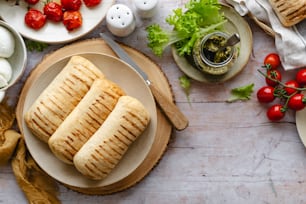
[
  {"x": 274, "y": 74},
  {"x": 293, "y": 84},
  {"x": 71, "y": 5},
  {"x": 35, "y": 19},
  {"x": 91, "y": 3},
  {"x": 301, "y": 77},
  {"x": 276, "y": 112},
  {"x": 297, "y": 102},
  {"x": 272, "y": 61},
  {"x": 265, "y": 94},
  {"x": 72, "y": 20},
  {"x": 53, "y": 11},
  {"x": 32, "y": 2}
]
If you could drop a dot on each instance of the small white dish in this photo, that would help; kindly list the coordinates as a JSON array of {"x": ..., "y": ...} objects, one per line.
[
  {"x": 18, "y": 59},
  {"x": 53, "y": 33}
]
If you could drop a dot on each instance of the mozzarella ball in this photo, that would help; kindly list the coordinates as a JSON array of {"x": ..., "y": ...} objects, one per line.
[
  {"x": 2, "y": 94},
  {"x": 5, "y": 69},
  {"x": 3, "y": 82},
  {"x": 7, "y": 43}
]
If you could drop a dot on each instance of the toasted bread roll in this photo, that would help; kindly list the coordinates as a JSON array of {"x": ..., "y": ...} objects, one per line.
[
  {"x": 85, "y": 119},
  {"x": 61, "y": 96},
  {"x": 102, "y": 152},
  {"x": 289, "y": 12}
]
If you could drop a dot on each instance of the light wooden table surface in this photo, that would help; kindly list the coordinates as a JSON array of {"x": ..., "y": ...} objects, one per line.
[{"x": 230, "y": 153}]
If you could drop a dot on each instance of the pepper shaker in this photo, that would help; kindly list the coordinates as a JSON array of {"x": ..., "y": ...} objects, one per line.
[
  {"x": 146, "y": 8},
  {"x": 120, "y": 20}
]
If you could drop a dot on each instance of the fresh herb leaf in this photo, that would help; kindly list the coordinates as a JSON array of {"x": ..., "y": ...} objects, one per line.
[
  {"x": 185, "y": 84},
  {"x": 200, "y": 18},
  {"x": 241, "y": 93},
  {"x": 35, "y": 46}
]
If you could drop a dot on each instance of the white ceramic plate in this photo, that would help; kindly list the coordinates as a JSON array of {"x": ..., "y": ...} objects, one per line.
[
  {"x": 300, "y": 118},
  {"x": 133, "y": 84},
  {"x": 52, "y": 33},
  {"x": 235, "y": 24}
]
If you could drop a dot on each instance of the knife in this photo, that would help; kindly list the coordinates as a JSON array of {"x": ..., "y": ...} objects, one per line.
[{"x": 174, "y": 115}]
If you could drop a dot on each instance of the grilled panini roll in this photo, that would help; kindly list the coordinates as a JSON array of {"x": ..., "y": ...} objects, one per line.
[
  {"x": 289, "y": 12},
  {"x": 61, "y": 96},
  {"x": 102, "y": 152},
  {"x": 85, "y": 119}
]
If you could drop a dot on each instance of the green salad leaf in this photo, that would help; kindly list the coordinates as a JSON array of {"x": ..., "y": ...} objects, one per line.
[
  {"x": 35, "y": 46},
  {"x": 200, "y": 18},
  {"x": 241, "y": 93}
]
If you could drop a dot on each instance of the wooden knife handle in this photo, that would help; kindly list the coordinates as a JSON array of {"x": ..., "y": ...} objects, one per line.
[{"x": 174, "y": 115}]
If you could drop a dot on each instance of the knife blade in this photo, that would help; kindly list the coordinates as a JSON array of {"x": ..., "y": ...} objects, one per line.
[{"x": 174, "y": 115}]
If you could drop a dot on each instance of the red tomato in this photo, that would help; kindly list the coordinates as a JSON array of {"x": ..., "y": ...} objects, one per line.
[
  {"x": 301, "y": 77},
  {"x": 72, "y": 20},
  {"x": 297, "y": 102},
  {"x": 71, "y": 5},
  {"x": 53, "y": 11},
  {"x": 91, "y": 3},
  {"x": 32, "y": 1},
  {"x": 293, "y": 84},
  {"x": 276, "y": 112},
  {"x": 265, "y": 94},
  {"x": 35, "y": 19},
  {"x": 272, "y": 61},
  {"x": 274, "y": 74}
]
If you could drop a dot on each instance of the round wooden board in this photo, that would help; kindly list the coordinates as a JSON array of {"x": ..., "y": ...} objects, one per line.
[{"x": 164, "y": 128}]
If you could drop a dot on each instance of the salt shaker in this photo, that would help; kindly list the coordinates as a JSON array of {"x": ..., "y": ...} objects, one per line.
[
  {"x": 146, "y": 8},
  {"x": 120, "y": 20}
]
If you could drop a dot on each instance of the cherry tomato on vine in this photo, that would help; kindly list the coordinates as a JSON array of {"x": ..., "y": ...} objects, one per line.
[
  {"x": 276, "y": 112},
  {"x": 297, "y": 102},
  {"x": 32, "y": 2},
  {"x": 272, "y": 61},
  {"x": 35, "y": 19},
  {"x": 265, "y": 94},
  {"x": 71, "y": 5},
  {"x": 274, "y": 74},
  {"x": 72, "y": 20},
  {"x": 91, "y": 3},
  {"x": 301, "y": 77},
  {"x": 53, "y": 11},
  {"x": 293, "y": 84}
]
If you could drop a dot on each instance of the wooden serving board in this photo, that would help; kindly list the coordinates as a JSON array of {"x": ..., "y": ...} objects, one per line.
[{"x": 164, "y": 128}]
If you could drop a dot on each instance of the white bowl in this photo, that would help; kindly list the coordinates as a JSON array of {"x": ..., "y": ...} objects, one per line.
[{"x": 18, "y": 59}]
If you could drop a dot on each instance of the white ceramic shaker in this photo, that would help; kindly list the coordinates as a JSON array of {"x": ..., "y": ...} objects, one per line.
[
  {"x": 120, "y": 20},
  {"x": 146, "y": 8}
]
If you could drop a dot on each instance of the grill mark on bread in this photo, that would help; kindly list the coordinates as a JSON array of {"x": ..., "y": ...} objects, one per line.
[
  {"x": 39, "y": 126},
  {"x": 71, "y": 89},
  {"x": 120, "y": 140},
  {"x": 58, "y": 114},
  {"x": 94, "y": 170},
  {"x": 59, "y": 101},
  {"x": 106, "y": 160},
  {"x": 67, "y": 154},
  {"x": 289, "y": 12},
  {"x": 83, "y": 71},
  {"x": 78, "y": 134},
  {"x": 45, "y": 122},
  {"x": 126, "y": 136},
  {"x": 71, "y": 147},
  {"x": 115, "y": 146},
  {"x": 109, "y": 153},
  {"x": 93, "y": 118}
]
